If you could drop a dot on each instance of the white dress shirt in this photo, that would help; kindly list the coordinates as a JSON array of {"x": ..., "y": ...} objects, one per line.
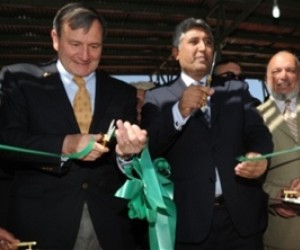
[
  {"x": 71, "y": 87},
  {"x": 281, "y": 104}
]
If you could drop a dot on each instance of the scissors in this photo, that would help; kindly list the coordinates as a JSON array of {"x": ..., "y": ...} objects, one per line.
[{"x": 109, "y": 133}]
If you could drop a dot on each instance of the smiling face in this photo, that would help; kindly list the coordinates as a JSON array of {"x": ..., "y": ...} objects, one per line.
[
  {"x": 79, "y": 50},
  {"x": 195, "y": 53},
  {"x": 283, "y": 76}
]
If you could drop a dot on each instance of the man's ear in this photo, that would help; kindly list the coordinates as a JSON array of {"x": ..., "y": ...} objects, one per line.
[
  {"x": 55, "y": 42},
  {"x": 175, "y": 53}
]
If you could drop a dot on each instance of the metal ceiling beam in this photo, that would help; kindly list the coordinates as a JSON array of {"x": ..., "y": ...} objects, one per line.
[{"x": 140, "y": 31}]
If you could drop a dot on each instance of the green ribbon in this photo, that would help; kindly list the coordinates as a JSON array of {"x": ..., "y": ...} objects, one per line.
[
  {"x": 277, "y": 153},
  {"x": 151, "y": 197},
  {"x": 77, "y": 155}
]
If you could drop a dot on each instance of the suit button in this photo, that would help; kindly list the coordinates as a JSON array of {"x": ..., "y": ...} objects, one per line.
[{"x": 85, "y": 185}]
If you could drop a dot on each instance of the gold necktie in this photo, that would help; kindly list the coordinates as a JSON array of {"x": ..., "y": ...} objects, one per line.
[
  {"x": 82, "y": 105},
  {"x": 290, "y": 119}
]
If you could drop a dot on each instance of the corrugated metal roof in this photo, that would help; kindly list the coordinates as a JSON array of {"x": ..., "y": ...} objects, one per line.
[{"x": 140, "y": 32}]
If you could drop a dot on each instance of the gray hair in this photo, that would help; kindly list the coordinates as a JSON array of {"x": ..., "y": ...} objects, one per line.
[
  {"x": 77, "y": 15},
  {"x": 188, "y": 24}
]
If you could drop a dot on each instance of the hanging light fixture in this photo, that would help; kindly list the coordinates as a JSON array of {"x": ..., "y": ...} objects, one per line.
[{"x": 275, "y": 10}]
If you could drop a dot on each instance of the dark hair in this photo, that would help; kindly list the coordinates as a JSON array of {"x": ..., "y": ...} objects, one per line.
[
  {"x": 226, "y": 61},
  {"x": 188, "y": 24},
  {"x": 77, "y": 15}
]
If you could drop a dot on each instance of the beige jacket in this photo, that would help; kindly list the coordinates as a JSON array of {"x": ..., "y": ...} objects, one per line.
[{"x": 281, "y": 233}]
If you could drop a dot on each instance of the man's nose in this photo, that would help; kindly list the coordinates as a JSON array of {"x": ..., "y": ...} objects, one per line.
[
  {"x": 85, "y": 53},
  {"x": 201, "y": 45},
  {"x": 283, "y": 74}
]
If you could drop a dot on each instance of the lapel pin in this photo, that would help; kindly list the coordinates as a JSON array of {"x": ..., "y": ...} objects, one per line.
[{"x": 46, "y": 74}]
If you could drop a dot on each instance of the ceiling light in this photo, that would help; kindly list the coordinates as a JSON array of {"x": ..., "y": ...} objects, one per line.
[{"x": 275, "y": 10}]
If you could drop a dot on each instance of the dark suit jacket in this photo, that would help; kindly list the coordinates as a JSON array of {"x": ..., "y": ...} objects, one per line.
[
  {"x": 195, "y": 151},
  {"x": 47, "y": 197}
]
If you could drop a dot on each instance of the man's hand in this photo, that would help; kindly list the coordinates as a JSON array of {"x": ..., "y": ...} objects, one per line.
[
  {"x": 7, "y": 240},
  {"x": 251, "y": 169},
  {"x": 295, "y": 184},
  {"x": 288, "y": 210},
  {"x": 131, "y": 139},
  {"x": 193, "y": 97},
  {"x": 76, "y": 143}
]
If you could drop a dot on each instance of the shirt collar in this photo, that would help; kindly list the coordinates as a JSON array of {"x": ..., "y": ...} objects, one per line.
[
  {"x": 190, "y": 81},
  {"x": 281, "y": 104},
  {"x": 67, "y": 78}
]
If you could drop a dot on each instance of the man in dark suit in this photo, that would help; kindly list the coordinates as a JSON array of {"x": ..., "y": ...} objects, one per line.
[
  {"x": 59, "y": 202},
  {"x": 201, "y": 130}
]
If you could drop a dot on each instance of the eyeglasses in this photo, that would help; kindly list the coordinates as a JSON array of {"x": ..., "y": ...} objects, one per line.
[{"x": 231, "y": 75}]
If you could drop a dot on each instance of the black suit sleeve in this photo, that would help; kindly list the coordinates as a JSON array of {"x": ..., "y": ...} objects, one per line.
[{"x": 16, "y": 124}]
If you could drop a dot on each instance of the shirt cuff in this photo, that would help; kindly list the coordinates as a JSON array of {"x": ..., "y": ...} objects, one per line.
[
  {"x": 179, "y": 121},
  {"x": 123, "y": 162},
  {"x": 63, "y": 160}
]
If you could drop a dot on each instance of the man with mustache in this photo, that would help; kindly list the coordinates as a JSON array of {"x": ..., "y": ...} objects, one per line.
[
  {"x": 281, "y": 115},
  {"x": 201, "y": 130}
]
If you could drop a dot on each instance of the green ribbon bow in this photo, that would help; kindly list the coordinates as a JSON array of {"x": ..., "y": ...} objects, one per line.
[{"x": 151, "y": 197}]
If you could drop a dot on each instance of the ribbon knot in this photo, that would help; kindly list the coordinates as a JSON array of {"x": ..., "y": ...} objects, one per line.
[{"x": 150, "y": 195}]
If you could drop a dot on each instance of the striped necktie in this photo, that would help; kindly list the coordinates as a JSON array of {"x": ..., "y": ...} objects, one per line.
[
  {"x": 291, "y": 119},
  {"x": 82, "y": 105},
  {"x": 206, "y": 109}
]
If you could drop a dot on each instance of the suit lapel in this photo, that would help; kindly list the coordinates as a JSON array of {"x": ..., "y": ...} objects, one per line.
[
  {"x": 298, "y": 116},
  {"x": 102, "y": 100},
  {"x": 279, "y": 123},
  {"x": 215, "y": 100},
  {"x": 56, "y": 91},
  {"x": 177, "y": 88},
  {"x": 283, "y": 125},
  {"x": 214, "y": 109}
]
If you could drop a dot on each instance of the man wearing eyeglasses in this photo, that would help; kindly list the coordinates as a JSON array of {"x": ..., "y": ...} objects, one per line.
[{"x": 230, "y": 69}]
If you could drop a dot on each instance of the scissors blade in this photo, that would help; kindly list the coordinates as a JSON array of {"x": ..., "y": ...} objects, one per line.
[{"x": 110, "y": 131}]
